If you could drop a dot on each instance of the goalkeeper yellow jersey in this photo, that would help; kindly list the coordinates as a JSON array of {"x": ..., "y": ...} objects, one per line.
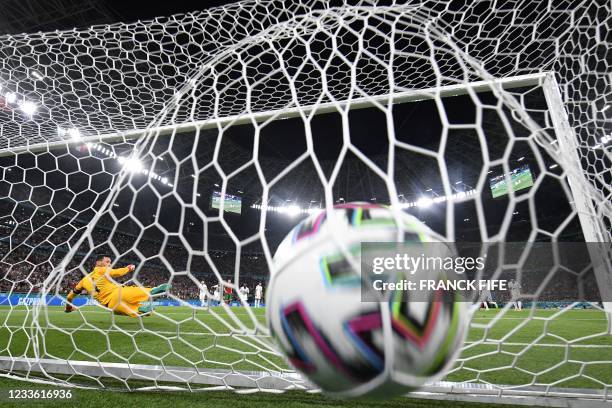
[
  {"x": 97, "y": 284},
  {"x": 85, "y": 284}
]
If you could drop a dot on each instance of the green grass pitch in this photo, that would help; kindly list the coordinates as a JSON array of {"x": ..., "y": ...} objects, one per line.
[{"x": 564, "y": 350}]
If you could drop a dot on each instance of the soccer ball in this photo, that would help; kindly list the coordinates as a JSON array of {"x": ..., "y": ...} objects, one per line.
[{"x": 345, "y": 346}]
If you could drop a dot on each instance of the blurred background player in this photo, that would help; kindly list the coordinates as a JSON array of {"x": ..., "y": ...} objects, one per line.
[
  {"x": 123, "y": 300},
  {"x": 243, "y": 293},
  {"x": 258, "y": 294},
  {"x": 203, "y": 293},
  {"x": 486, "y": 298},
  {"x": 515, "y": 293},
  {"x": 228, "y": 292},
  {"x": 216, "y": 296}
]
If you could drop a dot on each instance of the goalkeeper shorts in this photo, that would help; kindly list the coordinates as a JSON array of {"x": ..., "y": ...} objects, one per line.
[{"x": 125, "y": 300}]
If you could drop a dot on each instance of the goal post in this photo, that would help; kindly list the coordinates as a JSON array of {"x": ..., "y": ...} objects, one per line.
[
  {"x": 426, "y": 109},
  {"x": 592, "y": 222}
]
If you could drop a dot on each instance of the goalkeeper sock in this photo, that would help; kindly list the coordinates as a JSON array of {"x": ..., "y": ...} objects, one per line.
[
  {"x": 145, "y": 309},
  {"x": 165, "y": 287}
]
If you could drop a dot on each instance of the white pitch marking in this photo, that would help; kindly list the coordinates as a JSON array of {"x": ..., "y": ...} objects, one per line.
[
  {"x": 486, "y": 342},
  {"x": 220, "y": 311},
  {"x": 495, "y": 343},
  {"x": 535, "y": 319},
  {"x": 144, "y": 331}
]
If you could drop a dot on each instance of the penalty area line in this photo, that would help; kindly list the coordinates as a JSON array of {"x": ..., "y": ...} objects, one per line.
[{"x": 73, "y": 330}]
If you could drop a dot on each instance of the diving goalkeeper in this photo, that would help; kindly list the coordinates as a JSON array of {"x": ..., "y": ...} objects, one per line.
[{"x": 123, "y": 300}]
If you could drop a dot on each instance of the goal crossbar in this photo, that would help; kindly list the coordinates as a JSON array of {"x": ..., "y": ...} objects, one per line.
[{"x": 258, "y": 117}]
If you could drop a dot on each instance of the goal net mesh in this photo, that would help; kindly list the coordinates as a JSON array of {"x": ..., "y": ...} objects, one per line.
[{"x": 143, "y": 141}]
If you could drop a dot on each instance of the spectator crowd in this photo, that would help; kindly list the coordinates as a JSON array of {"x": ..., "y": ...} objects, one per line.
[
  {"x": 26, "y": 261},
  {"x": 30, "y": 251}
]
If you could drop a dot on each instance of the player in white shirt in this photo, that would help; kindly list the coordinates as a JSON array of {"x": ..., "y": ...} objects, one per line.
[
  {"x": 243, "y": 292},
  {"x": 203, "y": 293},
  {"x": 216, "y": 297},
  {"x": 515, "y": 292},
  {"x": 258, "y": 294},
  {"x": 487, "y": 298}
]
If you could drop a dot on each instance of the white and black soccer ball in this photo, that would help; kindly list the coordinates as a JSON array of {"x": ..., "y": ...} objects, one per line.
[{"x": 346, "y": 346}]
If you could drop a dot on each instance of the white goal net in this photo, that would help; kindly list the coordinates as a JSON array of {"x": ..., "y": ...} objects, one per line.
[{"x": 190, "y": 145}]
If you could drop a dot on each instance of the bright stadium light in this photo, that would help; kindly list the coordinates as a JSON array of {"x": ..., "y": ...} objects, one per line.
[
  {"x": 36, "y": 75},
  {"x": 552, "y": 166},
  {"x": 521, "y": 158},
  {"x": 132, "y": 165},
  {"x": 10, "y": 97},
  {"x": 29, "y": 108},
  {"x": 424, "y": 202},
  {"x": 293, "y": 210},
  {"x": 74, "y": 133}
]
